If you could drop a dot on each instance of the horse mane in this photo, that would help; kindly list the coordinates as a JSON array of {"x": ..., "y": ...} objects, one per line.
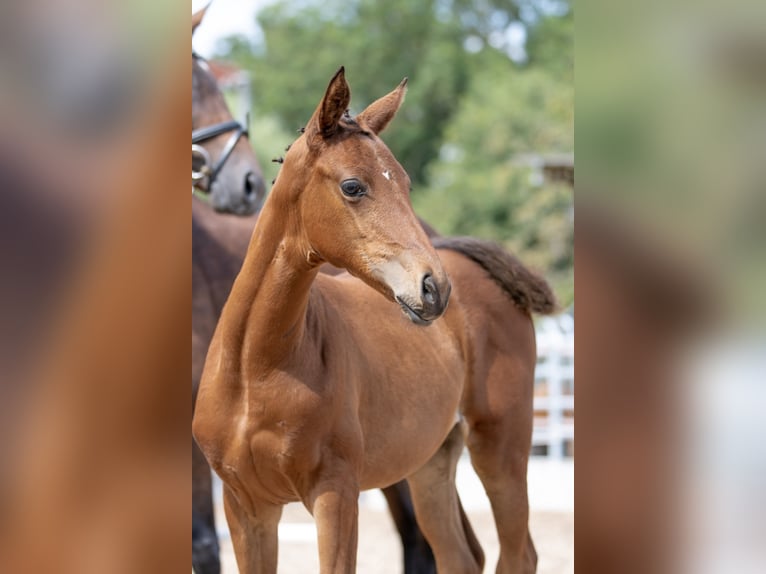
[
  {"x": 348, "y": 126},
  {"x": 203, "y": 82},
  {"x": 528, "y": 291}
]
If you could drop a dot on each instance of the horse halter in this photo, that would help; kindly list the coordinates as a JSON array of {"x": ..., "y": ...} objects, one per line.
[{"x": 209, "y": 169}]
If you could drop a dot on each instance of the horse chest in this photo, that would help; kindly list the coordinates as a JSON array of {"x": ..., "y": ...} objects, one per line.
[
  {"x": 282, "y": 425},
  {"x": 265, "y": 454}
]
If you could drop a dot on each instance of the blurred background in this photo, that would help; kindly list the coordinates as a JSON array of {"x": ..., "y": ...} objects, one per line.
[
  {"x": 670, "y": 251},
  {"x": 487, "y": 136}
]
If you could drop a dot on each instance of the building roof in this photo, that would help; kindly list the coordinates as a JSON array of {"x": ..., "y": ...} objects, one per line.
[{"x": 227, "y": 74}]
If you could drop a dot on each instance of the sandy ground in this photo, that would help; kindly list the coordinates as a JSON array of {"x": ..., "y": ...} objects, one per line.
[{"x": 551, "y": 490}]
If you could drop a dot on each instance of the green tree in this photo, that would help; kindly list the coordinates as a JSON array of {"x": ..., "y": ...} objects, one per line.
[
  {"x": 550, "y": 46},
  {"x": 304, "y": 42},
  {"x": 379, "y": 43},
  {"x": 484, "y": 181}
]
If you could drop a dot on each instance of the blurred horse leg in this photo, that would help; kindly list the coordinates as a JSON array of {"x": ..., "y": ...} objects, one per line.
[
  {"x": 205, "y": 554},
  {"x": 418, "y": 557}
]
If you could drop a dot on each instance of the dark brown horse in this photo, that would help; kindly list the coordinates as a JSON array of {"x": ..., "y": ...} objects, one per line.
[
  {"x": 225, "y": 167},
  {"x": 305, "y": 371},
  {"x": 218, "y": 142}
]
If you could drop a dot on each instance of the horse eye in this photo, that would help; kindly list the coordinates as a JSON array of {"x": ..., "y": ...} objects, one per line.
[{"x": 352, "y": 188}]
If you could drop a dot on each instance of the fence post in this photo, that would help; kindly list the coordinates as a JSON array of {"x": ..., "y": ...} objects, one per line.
[{"x": 555, "y": 341}]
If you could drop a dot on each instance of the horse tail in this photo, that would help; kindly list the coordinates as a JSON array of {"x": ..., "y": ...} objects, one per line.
[{"x": 529, "y": 291}]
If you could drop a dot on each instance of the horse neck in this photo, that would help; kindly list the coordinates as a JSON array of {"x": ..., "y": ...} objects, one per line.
[
  {"x": 219, "y": 246},
  {"x": 265, "y": 315}
]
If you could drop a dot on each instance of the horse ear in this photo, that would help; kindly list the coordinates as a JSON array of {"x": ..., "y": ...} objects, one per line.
[
  {"x": 197, "y": 17},
  {"x": 380, "y": 112},
  {"x": 324, "y": 122}
]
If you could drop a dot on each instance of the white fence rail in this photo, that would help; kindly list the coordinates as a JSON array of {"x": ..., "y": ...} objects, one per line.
[{"x": 554, "y": 386}]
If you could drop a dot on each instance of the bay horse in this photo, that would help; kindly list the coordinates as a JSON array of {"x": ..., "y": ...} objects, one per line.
[
  {"x": 316, "y": 387},
  {"x": 240, "y": 187},
  {"x": 219, "y": 244}
]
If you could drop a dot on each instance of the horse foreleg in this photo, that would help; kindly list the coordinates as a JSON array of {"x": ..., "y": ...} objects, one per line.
[
  {"x": 253, "y": 534},
  {"x": 335, "y": 505},
  {"x": 439, "y": 512},
  {"x": 418, "y": 557}
]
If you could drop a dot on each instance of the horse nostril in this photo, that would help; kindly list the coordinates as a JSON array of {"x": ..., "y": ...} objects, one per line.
[
  {"x": 430, "y": 293},
  {"x": 251, "y": 183}
]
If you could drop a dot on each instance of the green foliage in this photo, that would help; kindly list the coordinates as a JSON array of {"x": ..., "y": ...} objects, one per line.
[
  {"x": 550, "y": 46},
  {"x": 379, "y": 43},
  {"x": 506, "y": 205},
  {"x": 483, "y": 182},
  {"x": 269, "y": 141}
]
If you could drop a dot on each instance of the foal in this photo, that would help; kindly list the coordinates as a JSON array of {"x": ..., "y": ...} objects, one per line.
[{"x": 316, "y": 387}]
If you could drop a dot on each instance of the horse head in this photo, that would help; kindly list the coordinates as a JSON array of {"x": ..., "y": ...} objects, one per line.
[
  {"x": 353, "y": 200},
  {"x": 223, "y": 163}
]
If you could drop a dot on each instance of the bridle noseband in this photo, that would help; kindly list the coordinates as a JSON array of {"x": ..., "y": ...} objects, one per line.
[
  {"x": 203, "y": 134},
  {"x": 210, "y": 170}
]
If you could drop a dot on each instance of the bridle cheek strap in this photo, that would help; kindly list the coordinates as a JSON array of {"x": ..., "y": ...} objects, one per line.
[{"x": 210, "y": 132}]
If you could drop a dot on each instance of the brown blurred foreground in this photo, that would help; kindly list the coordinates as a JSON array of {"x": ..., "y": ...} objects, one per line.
[{"x": 95, "y": 458}]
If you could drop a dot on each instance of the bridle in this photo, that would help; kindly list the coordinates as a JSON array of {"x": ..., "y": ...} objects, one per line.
[{"x": 210, "y": 170}]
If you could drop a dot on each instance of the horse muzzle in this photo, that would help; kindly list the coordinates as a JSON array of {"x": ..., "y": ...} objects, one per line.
[{"x": 433, "y": 300}]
